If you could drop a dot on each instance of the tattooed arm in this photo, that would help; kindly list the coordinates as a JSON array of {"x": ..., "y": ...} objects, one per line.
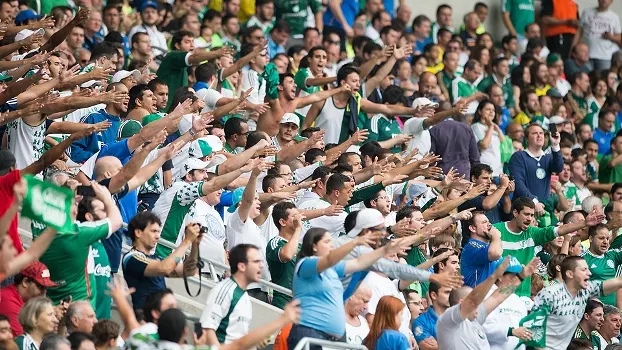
[{"x": 508, "y": 285}]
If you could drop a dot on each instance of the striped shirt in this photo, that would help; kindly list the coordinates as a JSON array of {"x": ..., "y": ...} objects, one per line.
[{"x": 228, "y": 311}]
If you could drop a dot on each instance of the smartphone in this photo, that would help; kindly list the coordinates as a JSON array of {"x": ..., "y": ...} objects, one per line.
[
  {"x": 198, "y": 330},
  {"x": 553, "y": 130},
  {"x": 554, "y": 179},
  {"x": 86, "y": 191}
]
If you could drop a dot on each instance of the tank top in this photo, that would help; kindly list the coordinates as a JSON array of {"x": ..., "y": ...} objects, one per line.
[{"x": 331, "y": 120}]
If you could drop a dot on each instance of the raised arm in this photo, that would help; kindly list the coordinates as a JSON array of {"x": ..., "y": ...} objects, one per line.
[
  {"x": 507, "y": 287},
  {"x": 290, "y": 153},
  {"x": 492, "y": 200},
  {"x": 320, "y": 96},
  {"x": 200, "y": 55},
  {"x": 242, "y": 62},
  {"x": 592, "y": 219},
  {"x": 18, "y": 87},
  {"x": 60, "y": 36},
  {"x": 168, "y": 266},
  {"x": 312, "y": 114},
  {"x": 477, "y": 295},
  {"x": 145, "y": 173},
  {"x": 220, "y": 182},
  {"x": 110, "y": 207},
  {"x": 366, "y": 260},
  {"x": 289, "y": 250}
]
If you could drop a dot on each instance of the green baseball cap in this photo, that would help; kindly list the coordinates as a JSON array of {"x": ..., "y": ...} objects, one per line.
[
  {"x": 200, "y": 148},
  {"x": 128, "y": 128},
  {"x": 236, "y": 198},
  {"x": 5, "y": 77},
  {"x": 552, "y": 58}
]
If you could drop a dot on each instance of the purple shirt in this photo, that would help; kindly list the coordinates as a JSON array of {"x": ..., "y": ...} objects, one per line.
[{"x": 455, "y": 143}]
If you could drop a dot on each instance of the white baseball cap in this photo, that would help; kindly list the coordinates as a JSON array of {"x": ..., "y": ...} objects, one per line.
[
  {"x": 185, "y": 123},
  {"x": 424, "y": 101},
  {"x": 214, "y": 142},
  {"x": 122, "y": 74},
  {"x": 290, "y": 118},
  {"x": 366, "y": 218},
  {"x": 557, "y": 120},
  {"x": 194, "y": 164},
  {"x": 23, "y": 34}
]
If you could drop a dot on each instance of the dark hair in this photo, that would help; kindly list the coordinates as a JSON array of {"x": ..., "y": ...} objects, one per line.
[
  {"x": 77, "y": 338},
  {"x": 254, "y": 137},
  {"x": 239, "y": 254},
  {"x": 180, "y": 95},
  {"x": 394, "y": 95},
  {"x": 281, "y": 26},
  {"x": 440, "y": 251},
  {"x": 312, "y": 154},
  {"x": 371, "y": 47},
  {"x": 211, "y": 14},
  {"x": 279, "y": 211},
  {"x": 105, "y": 330},
  {"x": 517, "y": 77},
  {"x": 308, "y": 132},
  {"x": 480, "y": 5},
  {"x": 309, "y": 29},
  {"x": 136, "y": 93},
  {"x": 153, "y": 302},
  {"x": 233, "y": 126},
  {"x": 336, "y": 182},
  {"x": 570, "y": 264},
  {"x": 4, "y": 318},
  {"x": 52, "y": 341},
  {"x": 433, "y": 287},
  {"x": 344, "y": 157},
  {"x": 114, "y": 37},
  {"x": 478, "y": 112},
  {"x": 507, "y": 39},
  {"x": 478, "y": 169},
  {"x": 593, "y": 304},
  {"x": 406, "y": 212},
  {"x": 268, "y": 181},
  {"x": 441, "y": 7},
  {"x": 140, "y": 221},
  {"x": 312, "y": 236},
  {"x": 614, "y": 188},
  {"x": 372, "y": 149},
  {"x": 350, "y": 221},
  {"x": 171, "y": 325},
  {"x": 85, "y": 206},
  {"x": 386, "y": 29},
  {"x": 155, "y": 82},
  {"x": 593, "y": 230},
  {"x": 179, "y": 36},
  {"x": 104, "y": 49},
  {"x": 346, "y": 70},
  {"x": 471, "y": 64},
  {"x": 321, "y": 172},
  {"x": 522, "y": 202}
]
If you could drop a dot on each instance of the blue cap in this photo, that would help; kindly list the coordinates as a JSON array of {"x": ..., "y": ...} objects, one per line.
[
  {"x": 25, "y": 16},
  {"x": 236, "y": 198},
  {"x": 415, "y": 190},
  {"x": 148, "y": 3},
  {"x": 515, "y": 266}
]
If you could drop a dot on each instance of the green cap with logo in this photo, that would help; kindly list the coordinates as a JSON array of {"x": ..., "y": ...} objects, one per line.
[
  {"x": 200, "y": 148},
  {"x": 5, "y": 77}
]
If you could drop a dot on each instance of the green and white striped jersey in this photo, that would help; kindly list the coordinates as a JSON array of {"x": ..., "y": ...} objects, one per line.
[
  {"x": 228, "y": 311},
  {"x": 172, "y": 207},
  {"x": 25, "y": 342}
]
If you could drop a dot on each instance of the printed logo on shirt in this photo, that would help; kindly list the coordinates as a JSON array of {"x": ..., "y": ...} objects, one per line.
[
  {"x": 610, "y": 264},
  {"x": 593, "y": 266},
  {"x": 418, "y": 331}
]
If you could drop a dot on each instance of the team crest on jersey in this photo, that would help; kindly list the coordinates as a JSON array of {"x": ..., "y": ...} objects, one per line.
[
  {"x": 610, "y": 264},
  {"x": 418, "y": 331}
]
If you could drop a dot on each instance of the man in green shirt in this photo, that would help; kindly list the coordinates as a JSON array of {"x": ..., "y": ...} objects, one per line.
[
  {"x": 236, "y": 132},
  {"x": 464, "y": 87},
  {"x": 590, "y": 323},
  {"x": 610, "y": 165},
  {"x": 602, "y": 261},
  {"x": 281, "y": 250},
  {"x": 517, "y": 14},
  {"x": 500, "y": 76},
  {"x": 577, "y": 96},
  {"x": 173, "y": 67},
  {"x": 520, "y": 238},
  {"x": 67, "y": 256},
  {"x": 448, "y": 74},
  {"x": 385, "y": 128},
  {"x": 294, "y": 12},
  {"x": 310, "y": 80}
]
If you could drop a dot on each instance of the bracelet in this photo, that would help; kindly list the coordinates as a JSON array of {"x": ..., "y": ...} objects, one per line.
[
  {"x": 453, "y": 218},
  {"x": 510, "y": 330},
  {"x": 520, "y": 278},
  {"x": 192, "y": 132}
]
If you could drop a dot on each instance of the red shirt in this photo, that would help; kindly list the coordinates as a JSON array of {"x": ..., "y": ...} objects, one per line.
[
  {"x": 6, "y": 199},
  {"x": 11, "y": 303}
]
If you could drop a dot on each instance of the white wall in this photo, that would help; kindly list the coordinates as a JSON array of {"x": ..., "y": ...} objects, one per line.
[{"x": 494, "y": 24}]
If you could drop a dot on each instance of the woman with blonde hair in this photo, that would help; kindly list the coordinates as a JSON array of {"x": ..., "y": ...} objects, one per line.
[
  {"x": 37, "y": 318},
  {"x": 383, "y": 332}
]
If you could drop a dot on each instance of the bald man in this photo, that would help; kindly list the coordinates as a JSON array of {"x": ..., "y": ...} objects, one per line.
[{"x": 357, "y": 327}]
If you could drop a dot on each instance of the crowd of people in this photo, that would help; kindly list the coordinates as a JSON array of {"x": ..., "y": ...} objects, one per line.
[{"x": 407, "y": 182}]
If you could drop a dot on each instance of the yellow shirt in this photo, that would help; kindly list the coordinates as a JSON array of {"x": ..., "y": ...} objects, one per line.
[
  {"x": 522, "y": 118},
  {"x": 542, "y": 91},
  {"x": 247, "y": 8},
  {"x": 435, "y": 69}
]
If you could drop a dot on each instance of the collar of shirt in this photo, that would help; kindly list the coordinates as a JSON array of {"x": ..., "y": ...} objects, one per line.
[
  {"x": 534, "y": 156},
  {"x": 505, "y": 79}
]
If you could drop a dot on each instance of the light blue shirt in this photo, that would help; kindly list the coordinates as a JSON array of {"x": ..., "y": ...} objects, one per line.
[{"x": 321, "y": 296}]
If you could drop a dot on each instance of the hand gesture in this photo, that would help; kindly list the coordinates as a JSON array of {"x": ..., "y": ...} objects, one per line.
[
  {"x": 308, "y": 184},
  {"x": 157, "y": 140},
  {"x": 34, "y": 38},
  {"x": 245, "y": 95},
  {"x": 83, "y": 15},
  {"x": 260, "y": 165},
  {"x": 45, "y": 22},
  {"x": 225, "y": 50},
  {"x": 267, "y": 151},
  {"x": 171, "y": 150},
  {"x": 447, "y": 280},
  {"x": 346, "y": 88},
  {"x": 402, "y": 228},
  {"x": 511, "y": 188},
  {"x": 83, "y": 133},
  {"x": 183, "y": 108},
  {"x": 316, "y": 137},
  {"x": 297, "y": 221},
  {"x": 494, "y": 233},
  {"x": 502, "y": 267},
  {"x": 101, "y": 192},
  {"x": 402, "y": 139},
  {"x": 116, "y": 291},
  {"x": 431, "y": 172},
  {"x": 69, "y": 74},
  {"x": 555, "y": 139},
  {"x": 465, "y": 214},
  {"x": 192, "y": 231},
  {"x": 283, "y": 196},
  {"x": 556, "y": 186},
  {"x": 531, "y": 268},
  {"x": 369, "y": 240},
  {"x": 334, "y": 210},
  {"x": 476, "y": 191},
  {"x": 594, "y": 218},
  {"x": 248, "y": 167},
  {"x": 399, "y": 53},
  {"x": 40, "y": 58},
  {"x": 19, "y": 190},
  {"x": 99, "y": 73},
  {"x": 504, "y": 180},
  {"x": 292, "y": 311},
  {"x": 388, "y": 50},
  {"x": 391, "y": 179},
  {"x": 201, "y": 123},
  {"x": 360, "y": 135},
  {"x": 430, "y": 158},
  {"x": 539, "y": 209},
  {"x": 114, "y": 96},
  {"x": 450, "y": 177},
  {"x": 101, "y": 126},
  {"x": 397, "y": 246},
  {"x": 522, "y": 333}
]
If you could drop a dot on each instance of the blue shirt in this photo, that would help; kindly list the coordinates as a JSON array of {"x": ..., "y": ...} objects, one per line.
[
  {"x": 420, "y": 44},
  {"x": 533, "y": 180},
  {"x": 424, "y": 326},
  {"x": 349, "y": 8},
  {"x": 392, "y": 340},
  {"x": 84, "y": 148},
  {"x": 603, "y": 138},
  {"x": 474, "y": 263},
  {"x": 134, "y": 266},
  {"x": 321, "y": 296},
  {"x": 274, "y": 48}
]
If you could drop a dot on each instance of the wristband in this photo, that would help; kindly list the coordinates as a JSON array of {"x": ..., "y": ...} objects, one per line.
[
  {"x": 192, "y": 132},
  {"x": 510, "y": 330},
  {"x": 520, "y": 278}
]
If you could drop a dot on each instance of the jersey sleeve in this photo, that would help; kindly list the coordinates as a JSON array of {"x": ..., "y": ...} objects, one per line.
[
  {"x": 543, "y": 235},
  {"x": 273, "y": 249},
  {"x": 595, "y": 288},
  {"x": 189, "y": 192},
  {"x": 91, "y": 232},
  {"x": 300, "y": 79},
  {"x": 340, "y": 268},
  {"x": 316, "y": 6},
  {"x": 450, "y": 320},
  {"x": 414, "y": 126},
  {"x": 176, "y": 59},
  {"x": 217, "y": 306},
  {"x": 506, "y": 5},
  {"x": 420, "y": 331},
  {"x": 308, "y": 267},
  {"x": 478, "y": 131},
  {"x": 135, "y": 263}
]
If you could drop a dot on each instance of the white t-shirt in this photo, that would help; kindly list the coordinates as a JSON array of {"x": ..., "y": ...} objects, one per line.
[
  {"x": 268, "y": 228},
  {"x": 421, "y": 135},
  {"x": 250, "y": 79},
  {"x": 382, "y": 286},
  {"x": 356, "y": 335},
  {"x": 506, "y": 315},
  {"x": 455, "y": 333},
  {"x": 595, "y": 24},
  {"x": 247, "y": 232},
  {"x": 213, "y": 243},
  {"x": 332, "y": 224},
  {"x": 492, "y": 154},
  {"x": 228, "y": 307},
  {"x": 210, "y": 97}
]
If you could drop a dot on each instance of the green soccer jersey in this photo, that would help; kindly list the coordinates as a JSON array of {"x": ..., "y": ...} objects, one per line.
[
  {"x": 603, "y": 268},
  {"x": 294, "y": 12},
  {"x": 447, "y": 81},
  {"x": 102, "y": 273},
  {"x": 581, "y": 102},
  {"x": 522, "y": 13},
  {"x": 594, "y": 337},
  {"x": 25, "y": 342},
  {"x": 460, "y": 89},
  {"x": 382, "y": 128},
  {"x": 282, "y": 273},
  {"x": 67, "y": 258},
  {"x": 521, "y": 245},
  {"x": 506, "y": 87},
  {"x": 173, "y": 70},
  {"x": 171, "y": 208},
  {"x": 607, "y": 174},
  {"x": 414, "y": 258},
  {"x": 302, "y": 90}
]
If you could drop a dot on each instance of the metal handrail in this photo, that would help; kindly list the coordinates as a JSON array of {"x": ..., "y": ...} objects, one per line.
[
  {"x": 214, "y": 264},
  {"x": 306, "y": 342}
]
